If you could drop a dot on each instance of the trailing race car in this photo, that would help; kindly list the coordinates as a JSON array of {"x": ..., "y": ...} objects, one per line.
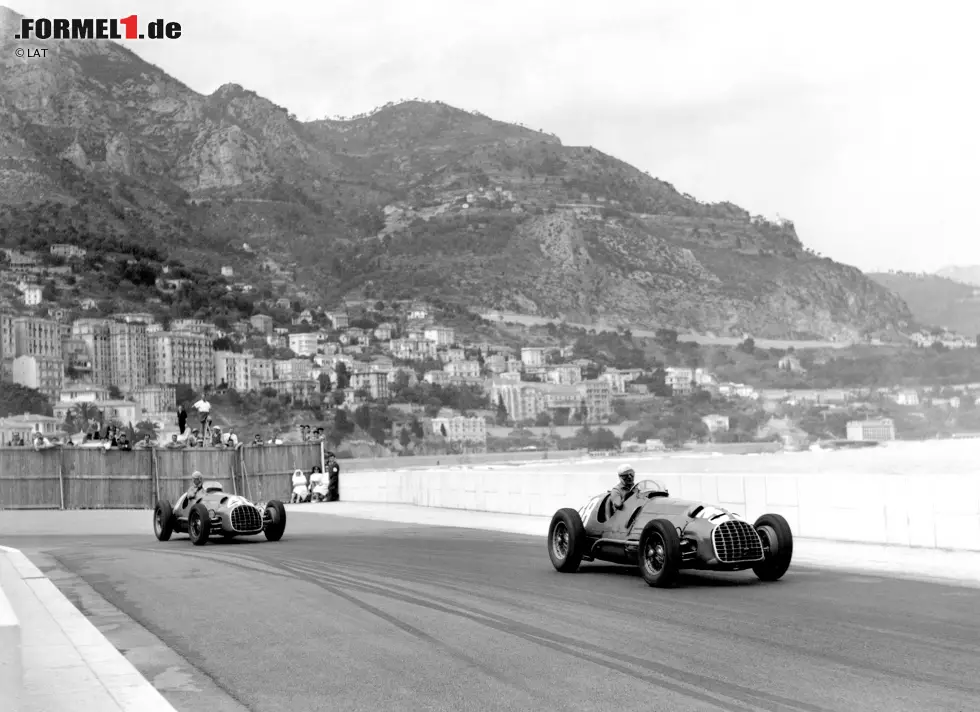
[
  {"x": 213, "y": 511},
  {"x": 662, "y": 535}
]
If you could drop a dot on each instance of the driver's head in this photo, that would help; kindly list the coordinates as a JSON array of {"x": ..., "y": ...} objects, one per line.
[
  {"x": 197, "y": 478},
  {"x": 626, "y": 475}
]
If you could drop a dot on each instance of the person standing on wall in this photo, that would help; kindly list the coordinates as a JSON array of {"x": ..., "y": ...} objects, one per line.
[
  {"x": 181, "y": 419},
  {"x": 203, "y": 408}
]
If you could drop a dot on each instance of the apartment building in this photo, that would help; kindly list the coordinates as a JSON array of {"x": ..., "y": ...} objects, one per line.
[
  {"x": 412, "y": 349},
  {"x": 465, "y": 369},
  {"x": 181, "y": 358},
  {"x": 130, "y": 355},
  {"x": 440, "y": 335},
  {"x": 156, "y": 400},
  {"x": 339, "y": 320},
  {"x": 522, "y": 401},
  {"x": 471, "y": 431},
  {"x": 374, "y": 382},
  {"x": 303, "y": 344},
  {"x": 94, "y": 333},
  {"x": 42, "y": 373},
  {"x": 263, "y": 369},
  {"x": 533, "y": 356},
  {"x": 262, "y": 323},
  {"x": 233, "y": 369},
  {"x": 68, "y": 251},
  {"x": 296, "y": 388},
  {"x": 565, "y": 374},
  {"x": 37, "y": 337},
  {"x": 597, "y": 396},
  {"x": 881, "y": 429},
  {"x": 296, "y": 368}
]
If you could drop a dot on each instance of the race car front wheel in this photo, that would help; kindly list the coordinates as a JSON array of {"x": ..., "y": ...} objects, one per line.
[
  {"x": 275, "y": 520},
  {"x": 659, "y": 555},
  {"x": 163, "y": 520},
  {"x": 566, "y": 540},
  {"x": 199, "y": 525},
  {"x": 777, "y": 547}
]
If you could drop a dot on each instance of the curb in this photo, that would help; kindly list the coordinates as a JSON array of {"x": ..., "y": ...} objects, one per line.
[{"x": 128, "y": 688}]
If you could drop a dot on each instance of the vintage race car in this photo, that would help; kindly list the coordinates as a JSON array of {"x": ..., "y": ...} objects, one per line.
[
  {"x": 663, "y": 535},
  {"x": 215, "y": 512}
]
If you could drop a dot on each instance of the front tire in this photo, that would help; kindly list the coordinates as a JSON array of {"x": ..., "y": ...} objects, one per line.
[
  {"x": 163, "y": 520},
  {"x": 199, "y": 525},
  {"x": 777, "y": 545},
  {"x": 275, "y": 525},
  {"x": 659, "y": 555},
  {"x": 566, "y": 540}
]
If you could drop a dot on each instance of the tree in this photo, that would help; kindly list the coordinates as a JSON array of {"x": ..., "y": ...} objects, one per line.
[
  {"x": 404, "y": 437},
  {"x": 543, "y": 420},
  {"x": 324, "y": 382},
  {"x": 442, "y": 429},
  {"x": 16, "y": 399},
  {"x": 501, "y": 414},
  {"x": 416, "y": 426},
  {"x": 146, "y": 427},
  {"x": 343, "y": 377}
]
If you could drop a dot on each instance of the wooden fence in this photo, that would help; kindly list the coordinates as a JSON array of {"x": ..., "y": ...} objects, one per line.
[{"x": 95, "y": 478}]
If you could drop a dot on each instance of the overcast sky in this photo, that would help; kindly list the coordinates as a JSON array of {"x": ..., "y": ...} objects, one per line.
[{"x": 857, "y": 120}]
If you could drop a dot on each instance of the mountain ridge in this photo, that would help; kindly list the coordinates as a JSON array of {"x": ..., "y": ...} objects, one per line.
[{"x": 414, "y": 199}]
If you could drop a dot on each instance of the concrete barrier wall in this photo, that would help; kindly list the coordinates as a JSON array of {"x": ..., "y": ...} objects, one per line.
[
  {"x": 422, "y": 461},
  {"x": 11, "y": 665},
  {"x": 839, "y": 503}
]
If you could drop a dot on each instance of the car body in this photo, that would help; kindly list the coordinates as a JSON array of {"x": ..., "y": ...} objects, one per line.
[
  {"x": 216, "y": 512},
  {"x": 663, "y": 535}
]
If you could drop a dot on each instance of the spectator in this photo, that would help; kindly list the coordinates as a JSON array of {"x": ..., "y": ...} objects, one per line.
[
  {"x": 216, "y": 437},
  {"x": 181, "y": 419},
  {"x": 122, "y": 441},
  {"x": 257, "y": 440},
  {"x": 42, "y": 443},
  {"x": 231, "y": 439},
  {"x": 192, "y": 440},
  {"x": 144, "y": 443},
  {"x": 204, "y": 410},
  {"x": 175, "y": 444}
]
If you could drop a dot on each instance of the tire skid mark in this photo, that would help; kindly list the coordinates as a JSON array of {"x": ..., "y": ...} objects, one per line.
[
  {"x": 686, "y": 683},
  {"x": 836, "y": 659}
]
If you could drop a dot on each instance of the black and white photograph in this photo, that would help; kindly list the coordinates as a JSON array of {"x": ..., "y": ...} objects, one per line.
[{"x": 479, "y": 357}]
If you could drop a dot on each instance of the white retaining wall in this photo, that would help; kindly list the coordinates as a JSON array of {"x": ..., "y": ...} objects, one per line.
[
  {"x": 921, "y": 510},
  {"x": 11, "y": 670}
]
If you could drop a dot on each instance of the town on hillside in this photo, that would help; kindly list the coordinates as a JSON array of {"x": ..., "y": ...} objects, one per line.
[{"x": 396, "y": 378}]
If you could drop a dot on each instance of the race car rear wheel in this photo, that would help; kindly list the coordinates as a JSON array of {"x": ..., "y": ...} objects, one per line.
[
  {"x": 275, "y": 525},
  {"x": 566, "y": 540},
  {"x": 199, "y": 525},
  {"x": 659, "y": 555},
  {"x": 163, "y": 520},
  {"x": 777, "y": 546}
]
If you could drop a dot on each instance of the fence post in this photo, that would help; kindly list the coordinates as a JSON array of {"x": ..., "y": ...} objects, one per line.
[
  {"x": 155, "y": 474},
  {"x": 323, "y": 462},
  {"x": 236, "y": 468},
  {"x": 61, "y": 475}
]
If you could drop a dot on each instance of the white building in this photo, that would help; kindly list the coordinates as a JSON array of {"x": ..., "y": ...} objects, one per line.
[
  {"x": 466, "y": 369},
  {"x": 532, "y": 356},
  {"x": 32, "y": 295},
  {"x": 441, "y": 335},
  {"x": 460, "y": 429},
  {"x": 233, "y": 369},
  {"x": 303, "y": 344}
]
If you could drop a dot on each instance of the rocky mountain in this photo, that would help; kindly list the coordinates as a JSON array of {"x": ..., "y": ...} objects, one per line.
[
  {"x": 936, "y": 300},
  {"x": 965, "y": 274},
  {"x": 414, "y": 199}
]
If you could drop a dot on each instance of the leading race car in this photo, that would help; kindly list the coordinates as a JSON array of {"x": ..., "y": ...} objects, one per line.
[
  {"x": 214, "y": 511},
  {"x": 663, "y": 535}
]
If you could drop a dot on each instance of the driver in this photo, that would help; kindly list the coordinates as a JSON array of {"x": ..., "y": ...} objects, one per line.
[
  {"x": 622, "y": 490},
  {"x": 197, "y": 484}
]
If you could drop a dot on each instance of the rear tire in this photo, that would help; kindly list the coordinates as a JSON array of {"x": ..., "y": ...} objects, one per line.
[
  {"x": 163, "y": 520},
  {"x": 276, "y": 526},
  {"x": 199, "y": 524},
  {"x": 566, "y": 540},
  {"x": 659, "y": 555},
  {"x": 777, "y": 545}
]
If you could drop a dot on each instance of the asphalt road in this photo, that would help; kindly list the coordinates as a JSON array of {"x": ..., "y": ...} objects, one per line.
[{"x": 364, "y": 615}]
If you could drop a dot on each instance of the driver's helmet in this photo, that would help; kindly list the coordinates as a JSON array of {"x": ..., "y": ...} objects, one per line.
[
  {"x": 626, "y": 475},
  {"x": 197, "y": 478}
]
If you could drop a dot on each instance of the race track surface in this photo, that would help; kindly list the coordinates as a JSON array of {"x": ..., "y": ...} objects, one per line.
[{"x": 364, "y": 615}]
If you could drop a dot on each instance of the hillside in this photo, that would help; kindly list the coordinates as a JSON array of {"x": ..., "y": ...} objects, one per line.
[
  {"x": 936, "y": 300},
  {"x": 414, "y": 199},
  {"x": 965, "y": 274}
]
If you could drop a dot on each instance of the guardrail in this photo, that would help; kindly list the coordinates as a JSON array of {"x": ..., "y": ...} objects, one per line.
[{"x": 95, "y": 478}]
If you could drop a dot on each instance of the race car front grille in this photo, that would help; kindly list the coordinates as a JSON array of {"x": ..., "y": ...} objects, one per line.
[
  {"x": 245, "y": 518},
  {"x": 736, "y": 542}
]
